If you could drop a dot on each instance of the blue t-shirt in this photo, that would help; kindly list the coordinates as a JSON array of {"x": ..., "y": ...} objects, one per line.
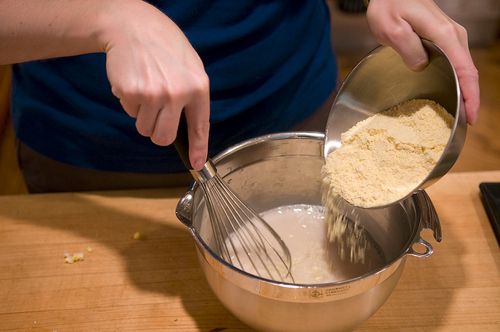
[{"x": 270, "y": 66}]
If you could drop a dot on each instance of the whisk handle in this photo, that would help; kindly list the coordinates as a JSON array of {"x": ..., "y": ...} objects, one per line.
[{"x": 181, "y": 142}]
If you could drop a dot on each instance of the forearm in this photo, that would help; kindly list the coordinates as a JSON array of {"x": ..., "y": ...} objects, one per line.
[
  {"x": 151, "y": 66},
  {"x": 36, "y": 29}
]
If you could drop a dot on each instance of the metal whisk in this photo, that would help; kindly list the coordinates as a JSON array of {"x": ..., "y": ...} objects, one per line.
[{"x": 242, "y": 237}]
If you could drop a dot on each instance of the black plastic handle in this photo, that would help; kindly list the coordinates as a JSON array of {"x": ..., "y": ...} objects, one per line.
[
  {"x": 181, "y": 142},
  {"x": 490, "y": 195}
]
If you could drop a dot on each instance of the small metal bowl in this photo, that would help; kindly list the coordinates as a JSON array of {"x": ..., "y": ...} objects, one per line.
[{"x": 382, "y": 80}]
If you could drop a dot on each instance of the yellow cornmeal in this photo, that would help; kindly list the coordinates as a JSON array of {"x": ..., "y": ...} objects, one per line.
[
  {"x": 385, "y": 157},
  {"x": 381, "y": 160}
]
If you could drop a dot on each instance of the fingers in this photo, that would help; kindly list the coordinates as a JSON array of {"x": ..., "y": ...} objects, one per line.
[
  {"x": 468, "y": 78},
  {"x": 130, "y": 107},
  {"x": 197, "y": 111},
  {"x": 390, "y": 29},
  {"x": 165, "y": 127},
  {"x": 144, "y": 106},
  {"x": 197, "y": 116},
  {"x": 157, "y": 112},
  {"x": 402, "y": 24},
  {"x": 146, "y": 119},
  {"x": 452, "y": 39},
  {"x": 409, "y": 45},
  {"x": 469, "y": 84}
]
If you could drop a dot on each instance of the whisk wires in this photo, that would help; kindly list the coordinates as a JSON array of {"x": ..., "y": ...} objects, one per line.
[{"x": 242, "y": 237}]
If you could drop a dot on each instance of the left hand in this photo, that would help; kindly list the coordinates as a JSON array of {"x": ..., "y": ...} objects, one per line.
[{"x": 402, "y": 24}]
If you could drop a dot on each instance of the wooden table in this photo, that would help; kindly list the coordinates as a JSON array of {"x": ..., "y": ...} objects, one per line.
[{"x": 155, "y": 283}]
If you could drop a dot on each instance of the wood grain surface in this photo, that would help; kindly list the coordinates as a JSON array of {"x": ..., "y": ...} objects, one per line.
[{"x": 155, "y": 283}]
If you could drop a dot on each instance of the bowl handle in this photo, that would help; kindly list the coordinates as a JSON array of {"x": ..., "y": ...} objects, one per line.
[
  {"x": 184, "y": 209},
  {"x": 428, "y": 216},
  {"x": 428, "y": 249},
  {"x": 428, "y": 219}
]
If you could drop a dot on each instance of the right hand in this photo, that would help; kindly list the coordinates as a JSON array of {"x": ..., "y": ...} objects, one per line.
[
  {"x": 156, "y": 74},
  {"x": 401, "y": 24}
]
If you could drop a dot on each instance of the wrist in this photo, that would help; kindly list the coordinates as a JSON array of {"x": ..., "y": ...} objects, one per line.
[
  {"x": 119, "y": 20},
  {"x": 107, "y": 23}
]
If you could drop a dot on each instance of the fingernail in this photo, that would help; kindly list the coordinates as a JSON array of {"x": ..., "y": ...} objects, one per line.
[
  {"x": 472, "y": 118},
  {"x": 198, "y": 164},
  {"x": 420, "y": 65}
]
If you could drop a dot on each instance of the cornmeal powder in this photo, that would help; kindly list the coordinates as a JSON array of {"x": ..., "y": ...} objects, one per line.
[
  {"x": 385, "y": 157},
  {"x": 381, "y": 160}
]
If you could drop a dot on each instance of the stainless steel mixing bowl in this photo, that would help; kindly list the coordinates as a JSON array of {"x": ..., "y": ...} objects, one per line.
[
  {"x": 284, "y": 169},
  {"x": 382, "y": 80}
]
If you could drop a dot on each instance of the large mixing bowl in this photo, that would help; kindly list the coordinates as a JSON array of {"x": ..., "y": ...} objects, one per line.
[{"x": 284, "y": 169}]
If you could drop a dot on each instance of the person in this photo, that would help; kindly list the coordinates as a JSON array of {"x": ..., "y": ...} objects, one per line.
[{"x": 99, "y": 86}]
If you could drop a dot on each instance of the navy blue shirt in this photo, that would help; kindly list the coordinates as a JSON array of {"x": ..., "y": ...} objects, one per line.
[{"x": 270, "y": 66}]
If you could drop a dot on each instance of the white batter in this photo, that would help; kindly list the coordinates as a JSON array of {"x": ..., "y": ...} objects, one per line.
[{"x": 314, "y": 259}]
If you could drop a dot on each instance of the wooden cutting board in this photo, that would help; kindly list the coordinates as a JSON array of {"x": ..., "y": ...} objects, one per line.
[{"x": 154, "y": 283}]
